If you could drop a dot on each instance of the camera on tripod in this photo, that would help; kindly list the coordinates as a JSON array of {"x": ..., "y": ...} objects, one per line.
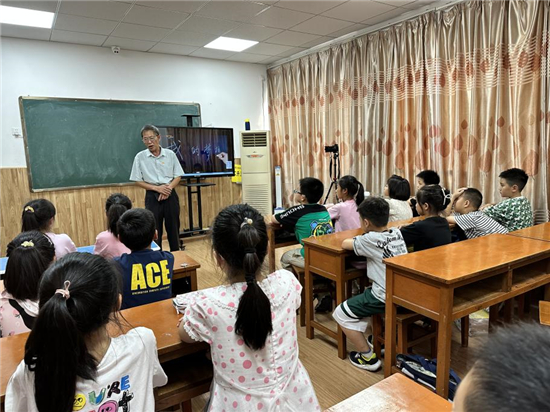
[
  {"x": 332, "y": 149},
  {"x": 334, "y": 168}
]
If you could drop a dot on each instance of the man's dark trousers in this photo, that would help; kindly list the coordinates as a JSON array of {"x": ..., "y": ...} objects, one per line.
[{"x": 168, "y": 211}]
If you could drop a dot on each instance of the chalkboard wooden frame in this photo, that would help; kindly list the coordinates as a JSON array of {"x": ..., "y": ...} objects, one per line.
[{"x": 194, "y": 117}]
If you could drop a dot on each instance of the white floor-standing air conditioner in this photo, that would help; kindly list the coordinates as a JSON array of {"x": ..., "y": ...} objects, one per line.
[{"x": 256, "y": 170}]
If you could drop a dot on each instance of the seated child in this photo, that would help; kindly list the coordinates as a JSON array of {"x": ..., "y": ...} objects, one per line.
[
  {"x": 351, "y": 192},
  {"x": 521, "y": 383},
  {"x": 39, "y": 214},
  {"x": 469, "y": 220},
  {"x": 514, "y": 213},
  {"x": 107, "y": 243},
  {"x": 376, "y": 244},
  {"x": 425, "y": 177},
  {"x": 249, "y": 322},
  {"x": 398, "y": 190},
  {"x": 146, "y": 273},
  {"x": 79, "y": 298},
  {"x": 307, "y": 219},
  {"x": 30, "y": 254},
  {"x": 433, "y": 230}
]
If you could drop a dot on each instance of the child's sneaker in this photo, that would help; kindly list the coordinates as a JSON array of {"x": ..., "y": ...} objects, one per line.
[
  {"x": 370, "y": 340},
  {"x": 371, "y": 364}
]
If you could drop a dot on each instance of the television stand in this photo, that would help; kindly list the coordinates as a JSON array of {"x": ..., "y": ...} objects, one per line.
[{"x": 194, "y": 188}]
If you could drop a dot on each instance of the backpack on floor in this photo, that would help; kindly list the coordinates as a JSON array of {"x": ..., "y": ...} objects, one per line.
[{"x": 424, "y": 371}]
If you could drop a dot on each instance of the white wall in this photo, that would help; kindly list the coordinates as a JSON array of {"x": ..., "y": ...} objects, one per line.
[{"x": 228, "y": 92}]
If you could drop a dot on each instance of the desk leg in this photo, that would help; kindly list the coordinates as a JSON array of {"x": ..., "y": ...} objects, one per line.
[
  {"x": 193, "y": 279},
  {"x": 309, "y": 295},
  {"x": 508, "y": 310},
  {"x": 340, "y": 298},
  {"x": 493, "y": 317},
  {"x": 444, "y": 337},
  {"x": 391, "y": 324}
]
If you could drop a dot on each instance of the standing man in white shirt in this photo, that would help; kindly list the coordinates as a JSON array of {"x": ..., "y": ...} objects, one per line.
[{"x": 158, "y": 171}]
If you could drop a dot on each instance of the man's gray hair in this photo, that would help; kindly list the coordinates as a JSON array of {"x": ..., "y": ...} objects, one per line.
[{"x": 150, "y": 128}]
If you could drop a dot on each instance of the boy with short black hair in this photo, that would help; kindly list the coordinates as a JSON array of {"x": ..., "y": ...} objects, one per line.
[
  {"x": 510, "y": 373},
  {"x": 307, "y": 219},
  {"x": 376, "y": 244},
  {"x": 471, "y": 222},
  {"x": 514, "y": 212},
  {"x": 146, "y": 274},
  {"x": 425, "y": 177}
]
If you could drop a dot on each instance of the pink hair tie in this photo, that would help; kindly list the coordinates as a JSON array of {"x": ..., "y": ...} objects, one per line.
[{"x": 64, "y": 292}]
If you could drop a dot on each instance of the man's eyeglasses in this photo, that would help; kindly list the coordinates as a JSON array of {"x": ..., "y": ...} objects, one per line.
[
  {"x": 149, "y": 139},
  {"x": 296, "y": 192}
]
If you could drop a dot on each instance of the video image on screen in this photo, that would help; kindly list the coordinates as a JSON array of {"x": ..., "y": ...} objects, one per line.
[{"x": 202, "y": 151}]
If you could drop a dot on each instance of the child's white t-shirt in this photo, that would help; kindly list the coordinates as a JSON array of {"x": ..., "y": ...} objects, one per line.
[
  {"x": 399, "y": 210},
  {"x": 377, "y": 246},
  {"x": 126, "y": 377}
]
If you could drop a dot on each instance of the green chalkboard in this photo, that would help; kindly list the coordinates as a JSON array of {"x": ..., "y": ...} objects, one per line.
[{"x": 81, "y": 142}]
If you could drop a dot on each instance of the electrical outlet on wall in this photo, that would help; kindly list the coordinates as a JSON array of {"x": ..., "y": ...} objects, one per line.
[{"x": 16, "y": 132}]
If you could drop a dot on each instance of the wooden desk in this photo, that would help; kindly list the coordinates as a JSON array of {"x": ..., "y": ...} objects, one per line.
[
  {"x": 539, "y": 232},
  {"x": 12, "y": 351},
  {"x": 272, "y": 230},
  {"x": 324, "y": 256},
  {"x": 396, "y": 393},
  {"x": 160, "y": 317},
  {"x": 190, "y": 270},
  {"x": 449, "y": 282}
]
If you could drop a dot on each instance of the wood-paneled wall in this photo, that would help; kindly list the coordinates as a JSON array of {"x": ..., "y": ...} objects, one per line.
[{"x": 81, "y": 212}]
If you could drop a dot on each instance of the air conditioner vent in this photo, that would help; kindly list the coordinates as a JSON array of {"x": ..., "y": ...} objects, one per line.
[{"x": 254, "y": 139}]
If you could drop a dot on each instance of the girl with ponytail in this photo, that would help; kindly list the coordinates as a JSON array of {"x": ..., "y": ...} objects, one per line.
[
  {"x": 351, "y": 194},
  {"x": 107, "y": 243},
  {"x": 433, "y": 231},
  {"x": 30, "y": 254},
  {"x": 39, "y": 214},
  {"x": 250, "y": 323},
  {"x": 71, "y": 363}
]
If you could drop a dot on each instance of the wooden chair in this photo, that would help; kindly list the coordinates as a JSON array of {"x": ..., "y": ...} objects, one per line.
[
  {"x": 405, "y": 340},
  {"x": 300, "y": 274},
  {"x": 187, "y": 377}
]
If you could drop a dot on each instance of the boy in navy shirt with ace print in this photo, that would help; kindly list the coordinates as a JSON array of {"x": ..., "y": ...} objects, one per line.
[{"x": 146, "y": 273}]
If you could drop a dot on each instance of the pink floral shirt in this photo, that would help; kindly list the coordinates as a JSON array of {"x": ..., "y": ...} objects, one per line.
[
  {"x": 271, "y": 379},
  {"x": 11, "y": 322}
]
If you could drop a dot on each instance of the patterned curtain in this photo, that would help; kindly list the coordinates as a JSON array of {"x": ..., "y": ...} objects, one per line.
[{"x": 463, "y": 91}]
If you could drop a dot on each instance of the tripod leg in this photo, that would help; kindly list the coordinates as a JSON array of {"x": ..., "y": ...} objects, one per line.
[{"x": 332, "y": 184}]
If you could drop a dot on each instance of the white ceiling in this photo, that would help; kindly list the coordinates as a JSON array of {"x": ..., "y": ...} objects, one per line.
[{"x": 282, "y": 27}]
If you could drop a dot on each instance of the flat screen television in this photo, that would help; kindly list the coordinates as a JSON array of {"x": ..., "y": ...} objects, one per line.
[{"x": 202, "y": 151}]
